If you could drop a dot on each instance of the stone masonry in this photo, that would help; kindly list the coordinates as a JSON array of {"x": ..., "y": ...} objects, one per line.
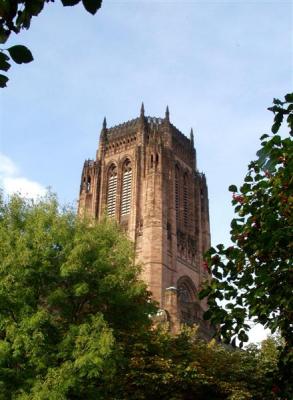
[{"x": 145, "y": 176}]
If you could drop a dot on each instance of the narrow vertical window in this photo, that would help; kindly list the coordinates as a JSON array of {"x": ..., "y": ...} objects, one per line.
[
  {"x": 112, "y": 190},
  {"x": 185, "y": 200},
  {"x": 88, "y": 184},
  {"x": 126, "y": 188},
  {"x": 177, "y": 193}
]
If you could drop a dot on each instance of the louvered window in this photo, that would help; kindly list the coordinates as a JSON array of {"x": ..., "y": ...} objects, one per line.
[
  {"x": 177, "y": 193},
  {"x": 112, "y": 191},
  {"x": 185, "y": 200},
  {"x": 126, "y": 188}
]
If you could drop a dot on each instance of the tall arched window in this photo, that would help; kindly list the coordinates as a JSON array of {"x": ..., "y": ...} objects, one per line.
[
  {"x": 126, "y": 188},
  {"x": 187, "y": 301},
  {"x": 177, "y": 206},
  {"x": 184, "y": 293},
  {"x": 185, "y": 200},
  {"x": 112, "y": 190}
]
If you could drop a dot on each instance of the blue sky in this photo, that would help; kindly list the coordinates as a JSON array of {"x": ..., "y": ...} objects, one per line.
[{"x": 217, "y": 64}]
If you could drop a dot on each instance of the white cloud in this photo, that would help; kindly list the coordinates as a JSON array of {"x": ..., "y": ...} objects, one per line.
[
  {"x": 7, "y": 167},
  {"x": 11, "y": 180}
]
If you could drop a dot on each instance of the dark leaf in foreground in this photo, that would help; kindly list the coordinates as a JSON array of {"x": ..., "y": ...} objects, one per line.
[{"x": 20, "y": 54}]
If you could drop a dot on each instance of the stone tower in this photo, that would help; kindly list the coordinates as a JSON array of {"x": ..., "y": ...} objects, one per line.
[{"x": 145, "y": 176}]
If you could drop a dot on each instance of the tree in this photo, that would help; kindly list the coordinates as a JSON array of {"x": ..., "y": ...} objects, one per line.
[
  {"x": 254, "y": 276},
  {"x": 69, "y": 295},
  {"x": 184, "y": 367},
  {"x": 75, "y": 321},
  {"x": 16, "y": 15}
]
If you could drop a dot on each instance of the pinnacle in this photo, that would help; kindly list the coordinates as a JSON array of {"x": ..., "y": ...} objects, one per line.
[
  {"x": 142, "y": 110},
  {"x": 167, "y": 114}
]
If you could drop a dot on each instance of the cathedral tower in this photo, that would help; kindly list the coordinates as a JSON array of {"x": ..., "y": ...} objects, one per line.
[{"x": 145, "y": 176}]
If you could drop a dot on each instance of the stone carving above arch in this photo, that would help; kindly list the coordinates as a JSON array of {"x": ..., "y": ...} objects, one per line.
[
  {"x": 111, "y": 166},
  {"x": 186, "y": 289},
  {"x": 125, "y": 159},
  {"x": 186, "y": 247}
]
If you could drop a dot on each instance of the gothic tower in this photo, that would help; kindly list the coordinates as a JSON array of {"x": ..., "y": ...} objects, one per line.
[{"x": 145, "y": 176}]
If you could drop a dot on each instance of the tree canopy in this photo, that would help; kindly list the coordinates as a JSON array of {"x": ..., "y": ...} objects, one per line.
[
  {"x": 75, "y": 321},
  {"x": 183, "y": 367},
  {"x": 254, "y": 276},
  {"x": 69, "y": 293},
  {"x": 16, "y": 15}
]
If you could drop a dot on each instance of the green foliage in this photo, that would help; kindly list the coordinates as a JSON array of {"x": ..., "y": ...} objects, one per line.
[
  {"x": 75, "y": 321},
  {"x": 255, "y": 275},
  {"x": 16, "y": 15},
  {"x": 69, "y": 294},
  {"x": 3, "y": 80},
  {"x": 160, "y": 365}
]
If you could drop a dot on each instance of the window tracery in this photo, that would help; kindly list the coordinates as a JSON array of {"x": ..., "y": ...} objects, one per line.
[{"x": 184, "y": 294}]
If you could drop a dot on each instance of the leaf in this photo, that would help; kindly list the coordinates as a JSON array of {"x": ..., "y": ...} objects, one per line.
[
  {"x": 264, "y": 136},
  {"x": 232, "y": 188},
  {"x": 20, "y": 54},
  {"x": 289, "y": 97},
  {"x": 4, "y": 35},
  {"x": 242, "y": 336},
  {"x": 92, "y": 6},
  {"x": 239, "y": 301},
  {"x": 35, "y": 7},
  {"x": 204, "y": 293},
  {"x": 276, "y": 127},
  {"x": 207, "y": 315},
  {"x": 23, "y": 19},
  {"x": 279, "y": 117},
  {"x": 245, "y": 188},
  {"x": 69, "y": 2},
  {"x": 4, "y": 65},
  {"x": 3, "y": 80},
  {"x": 248, "y": 178},
  {"x": 278, "y": 102},
  {"x": 276, "y": 140},
  {"x": 217, "y": 274},
  {"x": 276, "y": 109}
]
